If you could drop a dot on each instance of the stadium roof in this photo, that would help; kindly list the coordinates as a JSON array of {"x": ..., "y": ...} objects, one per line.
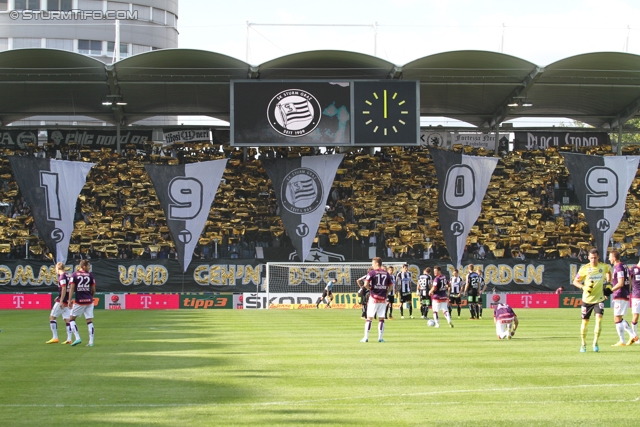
[{"x": 477, "y": 87}]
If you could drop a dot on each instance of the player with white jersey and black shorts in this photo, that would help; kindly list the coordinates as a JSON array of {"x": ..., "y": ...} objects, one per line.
[
  {"x": 403, "y": 283},
  {"x": 472, "y": 289},
  {"x": 391, "y": 295},
  {"x": 327, "y": 294},
  {"x": 378, "y": 282},
  {"x": 424, "y": 286},
  {"x": 454, "y": 293},
  {"x": 481, "y": 290},
  {"x": 363, "y": 294},
  {"x": 61, "y": 306}
]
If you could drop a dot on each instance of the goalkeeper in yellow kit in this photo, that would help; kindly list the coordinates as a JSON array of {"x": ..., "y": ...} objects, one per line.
[{"x": 591, "y": 278}]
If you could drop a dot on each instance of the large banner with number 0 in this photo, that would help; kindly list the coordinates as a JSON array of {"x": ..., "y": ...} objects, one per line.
[
  {"x": 302, "y": 187},
  {"x": 51, "y": 189},
  {"x": 601, "y": 185},
  {"x": 462, "y": 184},
  {"x": 186, "y": 193}
]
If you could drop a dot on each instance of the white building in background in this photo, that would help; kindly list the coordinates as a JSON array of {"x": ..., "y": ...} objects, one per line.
[{"x": 88, "y": 27}]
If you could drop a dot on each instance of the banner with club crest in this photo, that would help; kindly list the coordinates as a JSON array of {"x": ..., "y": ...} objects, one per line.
[
  {"x": 601, "y": 185},
  {"x": 186, "y": 193},
  {"x": 51, "y": 189},
  {"x": 302, "y": 186},
  {"x": 462, "y": 184}
]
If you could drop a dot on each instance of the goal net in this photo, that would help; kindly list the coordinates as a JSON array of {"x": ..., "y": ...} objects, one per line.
[{"x": 312, "y": 277}]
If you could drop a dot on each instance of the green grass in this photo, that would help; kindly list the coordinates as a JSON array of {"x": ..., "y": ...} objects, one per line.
[{"x": 307, "y": 367}]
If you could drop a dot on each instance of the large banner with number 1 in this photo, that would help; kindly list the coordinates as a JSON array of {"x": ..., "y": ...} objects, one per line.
[
  {"x": 186, "y": 193},
  {"x": 51, "y": 189},
  {"x": 601, "y": 184},
  {"x": 462, "y": 184}
]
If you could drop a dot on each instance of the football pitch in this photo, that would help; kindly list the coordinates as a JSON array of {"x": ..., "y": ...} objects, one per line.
[{"x": 307, "y": 367}]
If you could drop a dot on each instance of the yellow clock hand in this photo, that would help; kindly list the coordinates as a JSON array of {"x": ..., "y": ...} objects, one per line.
[{"x": 385, "y": 103}]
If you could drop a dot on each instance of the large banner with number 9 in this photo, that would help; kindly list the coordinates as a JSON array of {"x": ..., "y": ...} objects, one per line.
[
  {"x": 601, "y": 184},
  {"x": 186, "y": 193}
]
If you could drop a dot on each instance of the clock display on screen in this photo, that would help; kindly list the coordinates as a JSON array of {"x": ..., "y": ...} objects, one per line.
[{"x": 385, "y": 112}]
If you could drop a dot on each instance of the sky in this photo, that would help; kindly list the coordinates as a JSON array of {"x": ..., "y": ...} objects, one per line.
[
  {"x": 541, "y": 32},
  {"x": 400, "y": 31}
]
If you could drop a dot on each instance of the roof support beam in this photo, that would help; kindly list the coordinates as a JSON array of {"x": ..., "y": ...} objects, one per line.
[
  {"x": 114, "y": 95},
  {"x": 624, "y": 115},
  {"x": 502, "y": 112},
  {"x": 54, "y": 82}
]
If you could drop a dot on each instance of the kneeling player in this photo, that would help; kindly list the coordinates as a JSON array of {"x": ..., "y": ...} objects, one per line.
[{"x": 505, "y": 319}]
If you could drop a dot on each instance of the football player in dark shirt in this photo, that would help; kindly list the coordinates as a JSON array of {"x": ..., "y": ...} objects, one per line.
[
  {"x": 83, "y": 285},
  {"x": 440, "y": 296},
  {"x": 61, "y": 307},
  {"x": 378, "y": 282},
  {"x": 472, "y": 289}
]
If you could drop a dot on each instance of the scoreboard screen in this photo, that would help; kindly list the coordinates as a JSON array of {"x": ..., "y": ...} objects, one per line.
[{"x": 325, "y": 113}]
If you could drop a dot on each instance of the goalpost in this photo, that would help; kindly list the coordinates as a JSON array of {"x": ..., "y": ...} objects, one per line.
[{"x": 312, "y": 277}]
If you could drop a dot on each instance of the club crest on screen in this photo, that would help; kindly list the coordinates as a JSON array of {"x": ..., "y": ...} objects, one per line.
[{"x": 294, "y": 113}]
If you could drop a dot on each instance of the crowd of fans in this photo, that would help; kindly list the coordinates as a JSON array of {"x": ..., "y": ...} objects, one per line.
[{"x": 387, "y": 199}]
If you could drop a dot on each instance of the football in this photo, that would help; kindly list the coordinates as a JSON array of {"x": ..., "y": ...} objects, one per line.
[{"x": 431, "y": 323}]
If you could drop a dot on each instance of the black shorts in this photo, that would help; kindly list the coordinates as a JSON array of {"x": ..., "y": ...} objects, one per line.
[
  {"x": 363, "y": 297},
  {"x": 425, "y": 301},
  {"x": 587, "y": 309},
  {"x": 405, "y": 297},
  {"x": 455, "y": 300},
  {"x": 391, "y": 299},
  {"x": 325, "y": 293}
]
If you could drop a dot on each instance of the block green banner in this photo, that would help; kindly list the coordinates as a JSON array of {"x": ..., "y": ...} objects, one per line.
[
  {"x": 574, "y": 300},
  {"x": 206, "y": 301}
]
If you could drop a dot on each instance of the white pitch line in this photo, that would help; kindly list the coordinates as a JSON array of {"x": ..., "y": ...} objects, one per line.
[{"x": 300, "y": 402}]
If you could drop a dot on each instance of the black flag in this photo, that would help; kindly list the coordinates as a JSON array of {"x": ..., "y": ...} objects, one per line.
[
  {"x": 302, "y": 186},
  {"x": 601, "y": 184},
  {"x": 51, "y": 189},
  {"x": 186, "y": 193},
  {"x": 462, "y": 184}
]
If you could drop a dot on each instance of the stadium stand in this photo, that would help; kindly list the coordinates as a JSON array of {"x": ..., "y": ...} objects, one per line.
[{"x": 391, "y": 195}]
